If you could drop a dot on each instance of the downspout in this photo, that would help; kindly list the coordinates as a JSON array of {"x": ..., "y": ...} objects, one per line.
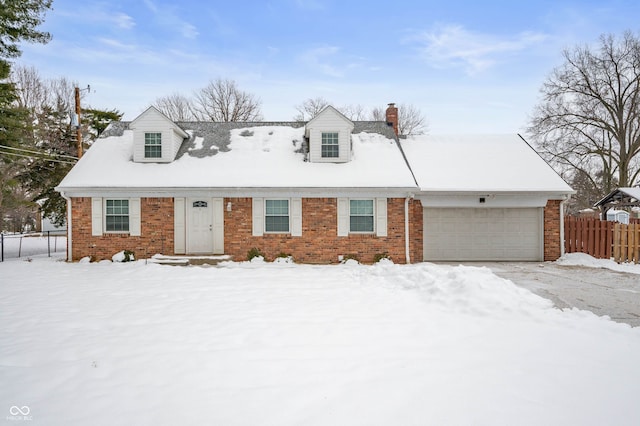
[
  {"x": 69, "y": 227},
  {"x": 562, "y": 203},
  {"x": 407, "y": 251}
]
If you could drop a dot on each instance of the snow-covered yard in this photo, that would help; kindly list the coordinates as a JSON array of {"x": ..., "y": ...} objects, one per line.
[
  {"x": 284, "y": 344},
  {"x": 25, "y": 245}
]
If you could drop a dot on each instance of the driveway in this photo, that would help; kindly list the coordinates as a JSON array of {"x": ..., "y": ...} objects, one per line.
[{"x": 601, "y": 291}]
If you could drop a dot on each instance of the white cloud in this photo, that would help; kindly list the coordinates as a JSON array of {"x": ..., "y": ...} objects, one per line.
[
  {"x": 124, "y": 21},
  {"x": 167, "y": 17},
  {"x": 151, "y": 6},
  {"x": 453, "y": 45},
  {"x": 188, "y": 30},
  {"x": 318, "y": 59}
]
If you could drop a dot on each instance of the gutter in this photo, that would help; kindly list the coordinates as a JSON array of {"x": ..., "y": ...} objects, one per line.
[{"x": 69, "y": 227}]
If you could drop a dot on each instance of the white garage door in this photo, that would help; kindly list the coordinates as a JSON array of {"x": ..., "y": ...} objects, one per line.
[{"x": 483, "y": 234}]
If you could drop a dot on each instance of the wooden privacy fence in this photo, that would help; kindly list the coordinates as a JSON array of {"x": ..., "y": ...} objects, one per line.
[{"x": 602, "y": 239}]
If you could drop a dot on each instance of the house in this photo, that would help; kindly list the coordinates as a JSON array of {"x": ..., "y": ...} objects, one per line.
[
  {"x": 319, "y": 191},
  {"x": 628, "y": 197}
]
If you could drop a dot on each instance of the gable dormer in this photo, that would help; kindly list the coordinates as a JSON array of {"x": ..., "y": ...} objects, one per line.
[
  {"x": 329, "y": 135},
  {"x": 156, "y": 139}
]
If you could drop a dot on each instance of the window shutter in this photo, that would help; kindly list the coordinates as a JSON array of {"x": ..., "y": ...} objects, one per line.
[
  {"x": 296, "y": 217},
  {"x": 96, "y": 216},
  {"x": 179, "y": 243},
  {"x": 218, "y": 225},
  {"x": 134, "y": 217},
  {"x": 381, "y": 217},
  {"x": 343, "y": 217},
  {"x": 258, "y": 217}
]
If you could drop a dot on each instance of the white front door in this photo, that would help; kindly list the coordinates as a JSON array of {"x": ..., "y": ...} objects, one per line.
[{"x": 199, "y": 226}]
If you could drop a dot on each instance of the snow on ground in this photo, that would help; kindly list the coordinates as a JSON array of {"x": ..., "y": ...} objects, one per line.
[
  {"x": 285, "y": 344},
  {"x": 583, "y": 259}
]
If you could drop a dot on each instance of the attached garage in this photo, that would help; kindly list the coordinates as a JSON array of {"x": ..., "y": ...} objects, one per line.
[{"x": 483, "y": 234}]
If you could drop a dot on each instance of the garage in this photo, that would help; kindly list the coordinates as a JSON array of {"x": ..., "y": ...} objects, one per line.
[{"x": 483, "y": 234}]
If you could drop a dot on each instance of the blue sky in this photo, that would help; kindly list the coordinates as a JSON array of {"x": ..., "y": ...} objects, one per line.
[{"x": 469, "y": 66}]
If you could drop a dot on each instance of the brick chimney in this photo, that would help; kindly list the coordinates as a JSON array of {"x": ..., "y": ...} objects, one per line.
[{"x": 392, "y": 117}]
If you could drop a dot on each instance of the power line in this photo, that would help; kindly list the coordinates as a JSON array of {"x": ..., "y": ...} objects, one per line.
[
  {"x": 14, "y": 154},
  {"x": 38, "y": 152}
]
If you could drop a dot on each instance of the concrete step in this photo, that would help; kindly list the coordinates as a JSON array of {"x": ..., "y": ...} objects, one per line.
[{"x": 188, "y": 260}]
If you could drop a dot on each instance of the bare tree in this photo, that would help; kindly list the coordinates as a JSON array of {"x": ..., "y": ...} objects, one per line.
[
  {"x": 222, "y": 100},
  {"x": 354, "y": 112},
  {"x": 378, "y": 114},
  {"x": 177, "y": 107},
  {"x": 310, "y": 108},
  {"x": 31, "y": 88},
  {"x": 588, "y": 122},
  {"x": 410, "y": 120}
]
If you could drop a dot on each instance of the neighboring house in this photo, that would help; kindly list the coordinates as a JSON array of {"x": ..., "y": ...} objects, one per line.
[
  {"x": 628, "y": 197},
  {"x": 319, "y": 191}
]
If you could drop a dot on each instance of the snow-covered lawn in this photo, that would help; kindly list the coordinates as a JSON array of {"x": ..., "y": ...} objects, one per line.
[
  {"x": 25, "y": 245},
  {"x": 284, "y": 344}
]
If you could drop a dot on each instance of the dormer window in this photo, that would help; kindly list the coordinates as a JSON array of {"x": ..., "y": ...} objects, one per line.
[
  {"x": 330, "y": 147},
  {"x": 329, "y": 135},
  {"x": 153, "y": 145}
]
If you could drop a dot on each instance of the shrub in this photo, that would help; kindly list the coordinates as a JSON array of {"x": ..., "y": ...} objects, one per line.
[
  {"x": 283, "y": 257},
  {"x": 379, "y": 256},
  {"x": 254, "y": 252},
  {"x": 350, "y": 256},
  {"x": 123, "y": 256}
]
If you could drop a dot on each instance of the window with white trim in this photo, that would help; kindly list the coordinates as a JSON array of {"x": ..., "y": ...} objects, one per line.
[
  {"x": 153, "y": 145},
  {"x": 276, "y": 216},
  {"x": 116, "y": 216},
  {"x": 361, "y": 216},
  {"x": 329, "y": 147}
]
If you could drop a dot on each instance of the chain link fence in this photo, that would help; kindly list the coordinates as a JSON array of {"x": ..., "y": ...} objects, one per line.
[{"x": 36, "y": 243}]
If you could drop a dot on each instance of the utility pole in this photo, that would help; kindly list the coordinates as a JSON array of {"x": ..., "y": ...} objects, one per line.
[
  {"x": 78, "y": 127},
  {"x": 78, "y": 121}
]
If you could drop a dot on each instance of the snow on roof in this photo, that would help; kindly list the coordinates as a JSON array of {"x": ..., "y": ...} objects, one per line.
[
  {"x": 479, "y": 163},
  {"x": 621, "y": 194},
  {"x": 253, "y": 157}
]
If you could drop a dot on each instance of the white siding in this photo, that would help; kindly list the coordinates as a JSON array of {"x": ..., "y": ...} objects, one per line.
[
  {"x": 330, "y": 121},
  {"x": 176, "y": 142},
  {"x": 179, "y": 241},
  {"x": 152, "y": 121}
]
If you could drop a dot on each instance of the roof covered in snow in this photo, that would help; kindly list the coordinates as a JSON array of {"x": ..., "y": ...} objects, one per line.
[
  {"x": 625, "y": 196},
  {"x": 242, "y": 155},
  {"x": 472, "y": 163}
]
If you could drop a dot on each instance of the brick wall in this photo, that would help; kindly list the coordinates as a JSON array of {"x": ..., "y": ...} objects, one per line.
[
  {"x": 552, "y": 230},
  {"x": 416, "y": 233},
  {"x": 319, "y": 242},
  {"x": 156, "y": 231}
]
